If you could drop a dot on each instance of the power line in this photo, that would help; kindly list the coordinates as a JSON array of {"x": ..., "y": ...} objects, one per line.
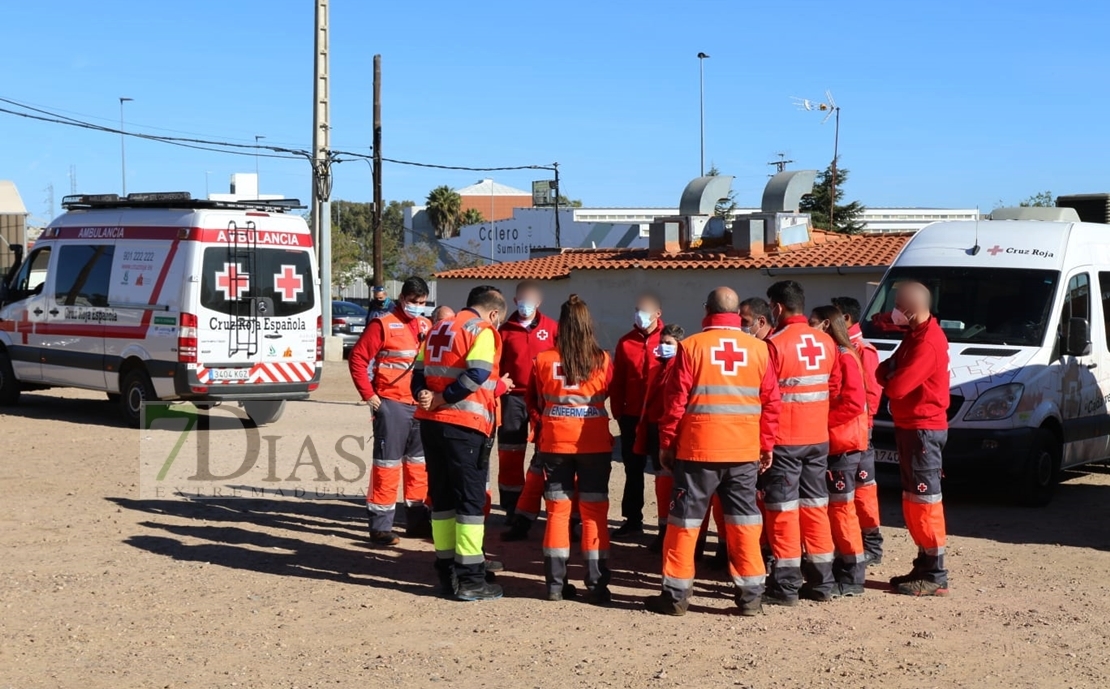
[{"x": 434, "y": 166}]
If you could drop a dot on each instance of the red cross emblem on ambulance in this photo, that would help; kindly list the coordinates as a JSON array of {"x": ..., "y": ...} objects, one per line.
[
  {"x": 232, "y": 281},
  {"x": 288, "y": 283}
]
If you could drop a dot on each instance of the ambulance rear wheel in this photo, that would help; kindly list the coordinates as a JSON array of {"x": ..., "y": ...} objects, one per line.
[
  {"x": 135, "y": 390},
  {"x": 9, "y": 386},
  {"x": 264, "y": 411}
]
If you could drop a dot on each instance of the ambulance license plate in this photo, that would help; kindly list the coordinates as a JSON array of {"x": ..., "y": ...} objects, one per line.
[
  {"x": 356, "y": 328},
  {"x": 886, "y": 456},
  {"x": 230, "y": 374}
]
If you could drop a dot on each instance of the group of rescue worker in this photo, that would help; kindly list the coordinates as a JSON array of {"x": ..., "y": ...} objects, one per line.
[{"x": 762, "y": 418}]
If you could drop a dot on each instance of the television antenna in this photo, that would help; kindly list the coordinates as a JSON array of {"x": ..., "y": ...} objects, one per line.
[{"x": 831, "y": 110}]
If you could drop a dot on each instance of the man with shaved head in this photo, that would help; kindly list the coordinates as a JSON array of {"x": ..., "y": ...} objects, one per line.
[
  {"x": 442, "y": 312},
  {"x": 719, "y": 423},
  {"x": 915, "y": 380}
]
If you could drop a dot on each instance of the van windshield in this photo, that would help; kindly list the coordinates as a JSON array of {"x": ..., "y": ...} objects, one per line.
[
  {"x": 992, "y": 306},
  {"x": 231, "y": 277}
]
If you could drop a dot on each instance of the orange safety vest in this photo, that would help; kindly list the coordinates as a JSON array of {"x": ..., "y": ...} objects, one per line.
[
  {"x": 395, "y": 360},
  {"x": 721, "y": 423},
  {"x": 806, "y": 357},
  {"x": 445, "y": 359},
  {"x": 850, "y": 436},
  {"x": 574, "y": 416}
]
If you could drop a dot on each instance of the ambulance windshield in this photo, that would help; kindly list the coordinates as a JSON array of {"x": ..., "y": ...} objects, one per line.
[
  {"x": 232, "y": 277},
  {"x": 990, "y": 306}
]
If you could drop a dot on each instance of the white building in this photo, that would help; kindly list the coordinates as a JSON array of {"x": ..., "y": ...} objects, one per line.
[
  {"x": 244, "y": 187},
  {"x": 622, "y": 228}
]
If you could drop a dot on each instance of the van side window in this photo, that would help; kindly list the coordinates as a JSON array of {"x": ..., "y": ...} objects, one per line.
[
  {"x": 32, "y": 274},
  {"x": 84, "y": 272},
  {"x": 1104, "y": 287},
  {"x": 1077, "y": 301}
]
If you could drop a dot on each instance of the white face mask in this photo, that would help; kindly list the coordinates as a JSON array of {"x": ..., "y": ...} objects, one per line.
[
  {"x": 899, "y": 318},
  {"x": 526, "y": 309},
  {"x": 666, "y": 351},
  {"x": 414, "y": 310},
  {"x": 643, "y": 320}
]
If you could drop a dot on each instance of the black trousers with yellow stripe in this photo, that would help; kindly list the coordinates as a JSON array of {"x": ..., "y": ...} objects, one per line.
[{"x": 458, "y": 472}]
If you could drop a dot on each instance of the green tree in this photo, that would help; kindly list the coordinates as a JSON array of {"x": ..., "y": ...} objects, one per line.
[
  {"x": 1044, "y": 199},
  {"x": 417, "y": 259},
  {"x": 346, "y": 258},
  {"x": 817, "y": 204},
  {"x": 727, "y": 206},
  {"x": 444, "y": 208},
  {"x": 471, "y": 216}
]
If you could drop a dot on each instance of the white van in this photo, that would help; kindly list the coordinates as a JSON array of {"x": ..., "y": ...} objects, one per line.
[
  {"x": 161, "y": 296},
  {"x": 1025, "y": 305}
]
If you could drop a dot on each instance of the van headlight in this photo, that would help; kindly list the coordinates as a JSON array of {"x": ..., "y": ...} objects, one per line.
[{"x": 996, "y": 404}]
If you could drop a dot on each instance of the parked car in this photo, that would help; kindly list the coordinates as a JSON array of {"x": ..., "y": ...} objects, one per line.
[{"x": 348, "y": 320}]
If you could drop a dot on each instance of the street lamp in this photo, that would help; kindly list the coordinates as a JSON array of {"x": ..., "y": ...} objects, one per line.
[
  {"x": 122, "y": 148},
  {"x": 206, "y": 173},
  {"x": 257, "y": 184},
  {"x": 701, "y": 109},
  {"x": 831, "y": 109}
]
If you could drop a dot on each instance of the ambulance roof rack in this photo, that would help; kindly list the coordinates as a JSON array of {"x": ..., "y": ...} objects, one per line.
[{"x": 172, "y": 199}]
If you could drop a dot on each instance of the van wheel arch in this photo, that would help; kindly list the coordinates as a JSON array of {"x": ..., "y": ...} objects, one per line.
[
  {"x": 1038, "y": 479},
  {"x": 9, "y": 386},
  {"x": 135, "y": 389}
]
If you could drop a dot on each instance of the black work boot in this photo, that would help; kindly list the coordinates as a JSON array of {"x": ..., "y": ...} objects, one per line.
[
  {"x": 518, "y": 531},
  {"x": 663, "y": 604},
  {"x": 483, "y": 591},
  {"x": 418, "y": 521},
  {"x": 564, "y": 592},
  {"x": 448, "y": 582}
]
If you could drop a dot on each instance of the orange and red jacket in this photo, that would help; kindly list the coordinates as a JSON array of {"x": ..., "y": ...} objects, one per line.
[
  {"x": 389, "y": 345},
  {"x": 805, "y": 359},
  {"x": 721, "y": 396},
  {"x": 570, "y": 419},
  {"x": 653, "y": 404},
  {"x": 633, "y": 361},
  {"x": 869, "y": 356},
  {"x": 848, "y": 417},
  {"x": 915, "y": 379},
  {"x": 445, "y": 364},
  {"x": 520, "y": 345}
]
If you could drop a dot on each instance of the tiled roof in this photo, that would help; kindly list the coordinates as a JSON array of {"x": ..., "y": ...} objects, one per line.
[{"x": 824, "y": 250}]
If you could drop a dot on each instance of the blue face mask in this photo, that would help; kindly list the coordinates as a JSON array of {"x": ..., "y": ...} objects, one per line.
[
  {"x": 526, "y": 309},
  {"x": 414, "y": 310},
  {"x": 667, "y": 351}
]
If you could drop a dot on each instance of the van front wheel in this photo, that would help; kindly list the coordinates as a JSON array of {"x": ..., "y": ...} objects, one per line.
[
  {"x": 135, "y": 391},
  {"x": 263, "y": 412},
  {"x": 1042, "y": 470},
  {"x": 9, "y": 386}
]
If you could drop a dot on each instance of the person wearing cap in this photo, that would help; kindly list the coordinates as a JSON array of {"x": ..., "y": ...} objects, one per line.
[{"x": 380, "y": 305}]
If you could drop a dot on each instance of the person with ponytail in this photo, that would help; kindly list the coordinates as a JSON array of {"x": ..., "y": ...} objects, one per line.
[
  {"x": 566, "y": 402},
  {"x": 848, "y": 439}
]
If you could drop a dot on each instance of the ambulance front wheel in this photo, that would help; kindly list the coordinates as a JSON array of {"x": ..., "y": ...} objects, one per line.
[
  {"x": 135, "y": 390},
  {"x": 9, "y": 386},
  {"x": 263, "y": 412}
]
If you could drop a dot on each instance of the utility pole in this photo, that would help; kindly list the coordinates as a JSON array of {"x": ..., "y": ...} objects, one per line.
[
  {"x": 781, "y": 163},
  {"x": 257, "y": 179},
  {"x": 701, "y": 106},
  {"x": 122, "y": 148},
  {"x": 379, "y": 270},
  {"x": 321, "y": 160},
  {"x": 558, "y": 237},
  {"x": 50, "y": 200}
]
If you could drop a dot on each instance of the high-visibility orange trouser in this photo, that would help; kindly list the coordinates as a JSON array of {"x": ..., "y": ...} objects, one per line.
[
  {"x": 849, "y": 566},
  {"x": 919, "y": 458},
  {"x": 867, "y": 505},
  {"x": 512, "y": 445},
  {"x": 398, "y": 453},
  {"x": 528, "y": 504},
  {"x": 695, "y": 483},
  {"x": 590, "y": 472},
  {"x": 797, "y": 503}
]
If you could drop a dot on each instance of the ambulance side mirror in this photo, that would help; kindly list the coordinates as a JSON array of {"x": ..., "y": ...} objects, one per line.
[{"x": 1077, "y": 339}]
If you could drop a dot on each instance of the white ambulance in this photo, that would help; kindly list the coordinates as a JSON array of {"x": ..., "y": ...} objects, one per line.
[
  {"x": 1025, "y": 304},
  {"x": 164, "y": 297}
]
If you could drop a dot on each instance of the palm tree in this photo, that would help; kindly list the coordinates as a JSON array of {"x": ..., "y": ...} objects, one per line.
[
  {"x": 471, "y": 216},
  {"x": 444, "y": 208}
]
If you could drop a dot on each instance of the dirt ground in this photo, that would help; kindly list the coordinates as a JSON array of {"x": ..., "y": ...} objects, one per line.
[{"x": 100, "y": 587}]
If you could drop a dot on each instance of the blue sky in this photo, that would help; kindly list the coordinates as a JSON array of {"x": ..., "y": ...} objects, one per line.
[{"x": 943, "y": 103}]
